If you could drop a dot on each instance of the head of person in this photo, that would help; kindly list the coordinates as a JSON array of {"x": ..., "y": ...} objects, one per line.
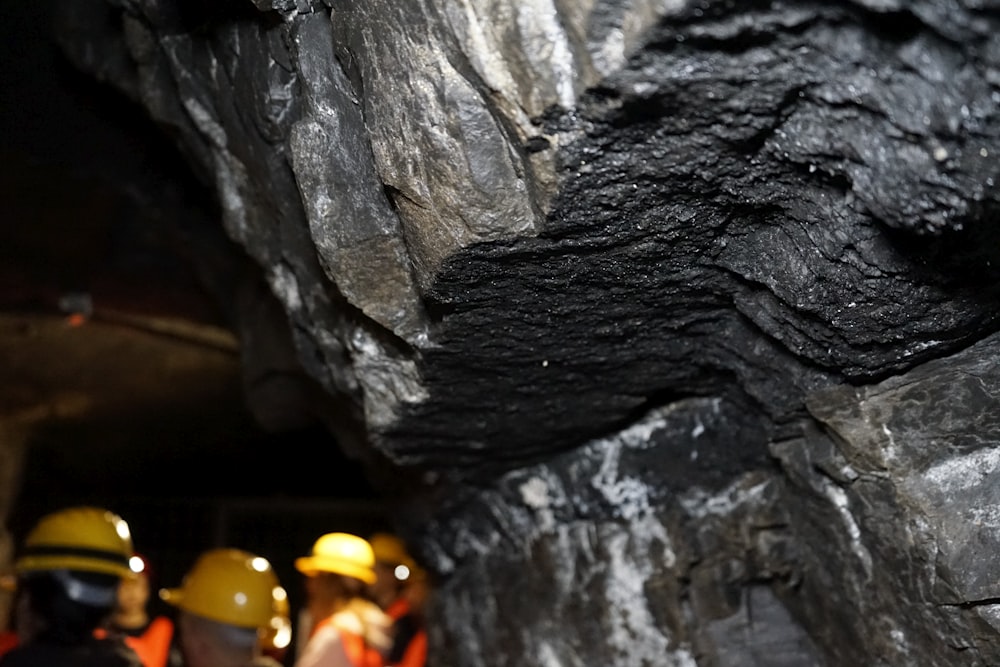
[
  {"x": 394, "y": 568},
  {"x": 134, "y": 590},
  {"x": 68, "y": 573},
  {"x": 224, "y": 602},
  {"x": 337, "y": 570}
]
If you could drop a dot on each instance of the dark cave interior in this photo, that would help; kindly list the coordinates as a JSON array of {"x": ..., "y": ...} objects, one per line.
[{"x": 116, "y": 355}]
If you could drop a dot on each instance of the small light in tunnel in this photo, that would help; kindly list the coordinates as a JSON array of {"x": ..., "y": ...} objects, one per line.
[
  {"x": 78, "y": 307},
  {"x": 401, "y": 572}
]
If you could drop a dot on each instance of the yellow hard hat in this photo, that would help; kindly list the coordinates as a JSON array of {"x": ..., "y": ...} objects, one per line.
[
  {"x": 85, "y": 539},
  {"x": 390, "y": 550},
  {"x": 229, "y": 586},
  {"x": 340, "y": 553}
]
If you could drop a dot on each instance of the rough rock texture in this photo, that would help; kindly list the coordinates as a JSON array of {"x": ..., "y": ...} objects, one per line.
[{"x": 682, "y": 307}]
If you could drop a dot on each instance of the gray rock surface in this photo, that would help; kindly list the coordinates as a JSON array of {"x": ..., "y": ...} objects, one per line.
[{"x": 681, "y": 308}]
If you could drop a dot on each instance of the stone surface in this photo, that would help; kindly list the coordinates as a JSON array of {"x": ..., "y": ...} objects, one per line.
[
  {"x": 680, "y": 308},
  {"x": 907, "y": 469}
]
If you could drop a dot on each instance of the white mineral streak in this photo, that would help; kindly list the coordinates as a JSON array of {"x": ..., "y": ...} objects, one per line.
[
  {"x": 984, "y": 517},
  {"x": 682, "y": 658},
  {"x": 547, "y": 656},
  {"x": 204, "y": 122},
  {"x": 991, "y": 614},
  {"x": 615, "y": 558},
  {"x": 838, "y": 497},
  {"x": 230, "y": 174},
  {"x": 629, "y": 496},
  {"x": 231, "y": 182},
  {"x": 899, "y": 640},
  {"x": 388, "y": 382},
  {"x": 610, "y": 54},
  {"x": 542, "y": 53},
  {"x": 285, "y": 287},
  {"x": 962, "y": 473},
  {"x": 699, "y": 504},
  {"x": 640, "y": 434},
  {"x": 632, "y": 631},
  {"x": 622, "y": 557},
  {"x": 571, "y": 541},
  {"x": 890, "y": 445},
  {"x": 538, "y": 22},
  {"x": 535, "y": 494},
  {"x": 484, "y": 29}
]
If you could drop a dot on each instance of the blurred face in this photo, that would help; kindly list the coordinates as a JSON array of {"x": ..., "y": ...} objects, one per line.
[
  {"x": 325, "y": 592},
  {"x": 322, "y": 587},
  {"x": 386, "y": 587},
  {"x": 133, "y": 593},
  {"x": 192, "y": 646}
]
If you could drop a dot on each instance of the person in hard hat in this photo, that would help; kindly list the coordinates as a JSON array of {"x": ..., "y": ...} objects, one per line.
[
  {"x": 348, "y": 630},
  {"x": 151, "y": 637},
  {"x": 67, "y": 576},
  {"x": 225, "y": 601},
  {"x": 399, "y": 588}
]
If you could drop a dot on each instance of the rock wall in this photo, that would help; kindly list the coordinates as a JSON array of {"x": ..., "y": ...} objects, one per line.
[{"x": 682, "y": 311}]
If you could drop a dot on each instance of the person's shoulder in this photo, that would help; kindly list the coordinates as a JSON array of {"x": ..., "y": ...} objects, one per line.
[
  {"x": 160, "y": 624},
  {"x": 112, "y": 652},
  {"x": 358, "y": 614},
  {"x": 366, "y": 619}
]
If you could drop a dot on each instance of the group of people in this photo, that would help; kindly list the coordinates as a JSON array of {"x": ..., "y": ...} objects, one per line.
[{"x": 81, "y": 593}]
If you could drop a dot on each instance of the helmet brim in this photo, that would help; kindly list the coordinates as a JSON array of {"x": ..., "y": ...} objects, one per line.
[{"x": 313, "y": 565}]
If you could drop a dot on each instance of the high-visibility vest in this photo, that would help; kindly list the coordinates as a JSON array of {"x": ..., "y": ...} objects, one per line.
[
  {"x": 415, "y": 653},
  {"x": 8, "y": 640},
  {"x": 153, "y": 645},
  {"x": 359, "y": 652}
]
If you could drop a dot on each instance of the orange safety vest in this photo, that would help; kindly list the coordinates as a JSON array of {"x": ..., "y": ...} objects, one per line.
[
  {"x": 415, "y": 654},
  {"x": 153, "y": 645},
  {"x": 358, "y": 651},
  {"x": 8, "y": 640}
]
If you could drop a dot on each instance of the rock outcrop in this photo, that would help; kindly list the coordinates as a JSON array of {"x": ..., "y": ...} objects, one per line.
[{"x": 681, "y": 311}]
